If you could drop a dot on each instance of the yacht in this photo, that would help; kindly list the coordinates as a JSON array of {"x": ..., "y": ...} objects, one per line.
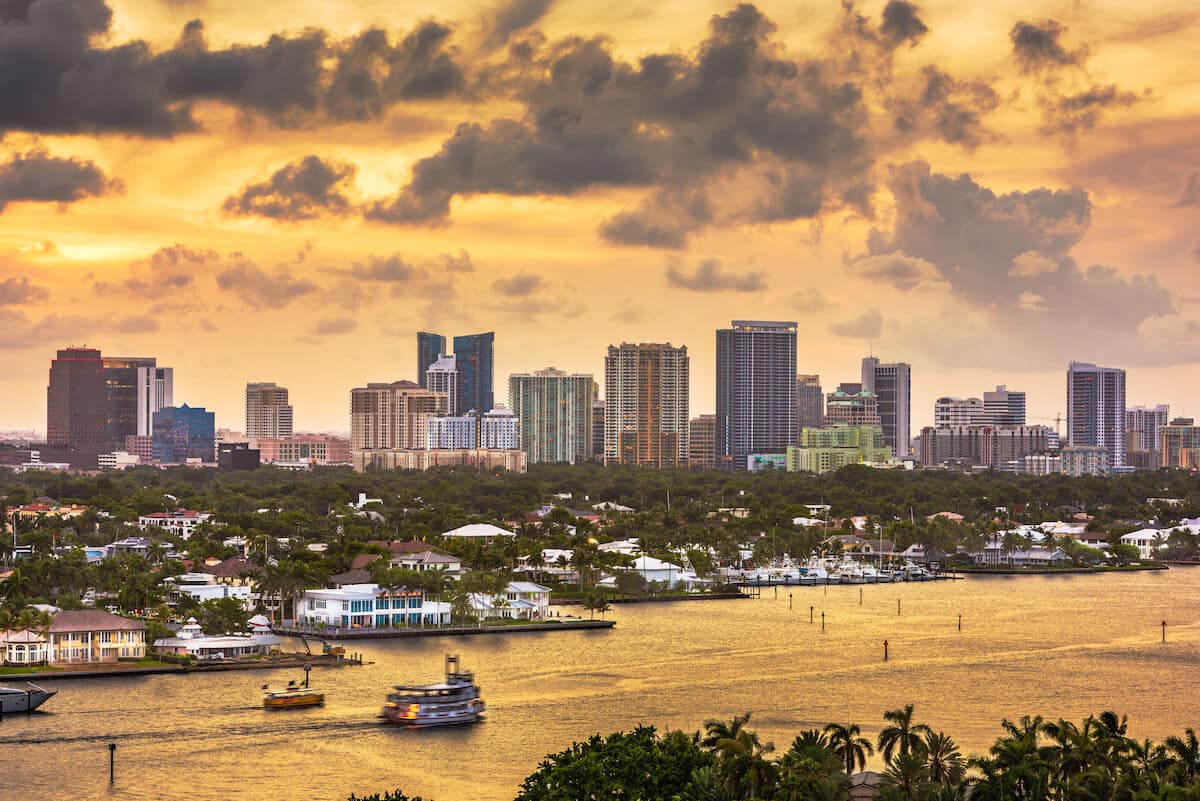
[
  {"x": 13, "y": 700},
  {"x": 816, "y": 572},
  {"x": 850, "y": 572},
  {"x": 449, "y": 703}
]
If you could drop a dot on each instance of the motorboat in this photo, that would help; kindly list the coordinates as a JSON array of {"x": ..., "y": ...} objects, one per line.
[
  {"x": 13, "y": 700},
  {"x": 450, "y": 703},
  {"x": 816, "y": 572}
]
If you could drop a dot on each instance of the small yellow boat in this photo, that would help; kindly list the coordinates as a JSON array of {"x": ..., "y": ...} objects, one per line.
[{"x": 294, "y": 695}]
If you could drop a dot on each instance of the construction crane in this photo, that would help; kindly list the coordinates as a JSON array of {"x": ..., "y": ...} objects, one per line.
[{"x": 1057, "y": 420}]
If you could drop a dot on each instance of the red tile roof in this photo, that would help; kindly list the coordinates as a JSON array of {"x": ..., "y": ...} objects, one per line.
[{"x": 92, "y": 620}]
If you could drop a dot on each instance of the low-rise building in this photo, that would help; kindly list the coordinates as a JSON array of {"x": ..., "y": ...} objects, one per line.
[
  {"x": 118, "y": 460},
  {"x": 180, "y": 523},
  {"x": 307, "y": 449},
  {"x": 369, "y": 606},
  {"x": 193, "y": 642},
  {"x": 513, "y": 461},
  {"x": 91, "y": 635},
  {"x": 485, "y": 532},
  {"x": 521, "y": 600},
  {"x": 1085, "y": 460}
]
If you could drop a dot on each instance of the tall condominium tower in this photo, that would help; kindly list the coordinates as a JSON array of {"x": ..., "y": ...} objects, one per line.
[
  {"x": 134, "y": 389},
  {"x": 392, "y": 416},
  {"x": 430, "y": 348},
  {"x": 646, "y": 403},
  {"x": 1143, "y": 426},
  {"x": 75, "y": 404},
  {"x": 810, "y": 402},
  {"x": 1004, "y": 407},
  {"x": 474, "y": 354},
  {"x": 702, "y": 442},
  {"x": 555, "y": 414},
  {"x": 442, "y": 376},
  {"x": 268, "y": 414},
  {"x": 892, "y": 384},
  {"x": 184, "y": 432},
  {"x": 756, "y": 390},
  {"x": 1096, "y": 409}
]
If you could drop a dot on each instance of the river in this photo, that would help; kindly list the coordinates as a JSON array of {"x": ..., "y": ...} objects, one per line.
[{"x": 1059, "y": 646}]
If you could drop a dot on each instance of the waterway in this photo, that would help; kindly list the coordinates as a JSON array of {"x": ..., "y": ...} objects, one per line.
[{"x": 1059, "y": 646}]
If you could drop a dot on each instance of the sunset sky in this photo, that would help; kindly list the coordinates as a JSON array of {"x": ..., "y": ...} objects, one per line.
[{"x": 288, "y": 191}]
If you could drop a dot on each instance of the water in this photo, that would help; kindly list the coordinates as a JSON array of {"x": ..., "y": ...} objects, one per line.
[{"x": 1056, "y": 645}]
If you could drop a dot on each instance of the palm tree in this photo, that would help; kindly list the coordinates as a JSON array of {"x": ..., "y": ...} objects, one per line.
[
  {"x": 718, "y": 730},
  {"x": 902, "y": 736},
  {"x": 943, "y": 759},
  {"x": 908, "y": 774},
  {"x": 743, "y": 763},
  {"x": 849, "y": 744},
  {"x": 1186, "y": 750}
]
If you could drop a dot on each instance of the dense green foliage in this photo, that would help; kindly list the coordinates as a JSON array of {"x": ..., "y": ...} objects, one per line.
[
  {"x": 1034, "y": 760},
  {"x": 279, "y": 514}
]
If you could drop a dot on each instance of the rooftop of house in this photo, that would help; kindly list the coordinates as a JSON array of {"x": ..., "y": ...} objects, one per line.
[
  {"x": 232, "y": 567},
  {"x": 72, "y": 620}
]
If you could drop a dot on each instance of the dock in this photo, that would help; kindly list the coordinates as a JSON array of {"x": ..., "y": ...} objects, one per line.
[
  {"x": 297, "y": 661},
  {"x": 444, "y": 631}
]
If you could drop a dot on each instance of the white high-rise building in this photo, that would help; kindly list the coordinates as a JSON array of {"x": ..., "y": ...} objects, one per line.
[
  {"x": 892, "y": 385},
  {"x": 452, "y": 433},
  {"x": 1004, "y": 407},
  {"x": 555, "y": 410},
  {"x": 957, "y": 412},
  {"x": 1096, "y": 410},
  {"x": 442, "y": 376},
  {"x": 155, "y": 392},
  {"x": 268, "y": 414},
  {"x": 500, "y": 430}
]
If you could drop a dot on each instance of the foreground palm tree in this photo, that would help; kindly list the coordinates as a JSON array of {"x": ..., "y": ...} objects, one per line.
[
  {"x": 849, "y": 744},
  {"x": 902, "y": 736},
  {"x": 943, "y": 759},
  {"x": 718, "y": 730},
  {"x": 1186, "y": 750}
]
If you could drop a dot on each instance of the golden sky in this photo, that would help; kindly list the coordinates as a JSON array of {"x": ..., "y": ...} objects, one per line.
[{"x": 288, "y": 191}]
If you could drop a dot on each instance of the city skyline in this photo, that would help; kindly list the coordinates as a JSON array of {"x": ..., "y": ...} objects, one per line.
[{"x": 1041, "y": 207}]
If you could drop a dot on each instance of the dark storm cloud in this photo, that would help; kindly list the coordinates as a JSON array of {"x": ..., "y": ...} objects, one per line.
[
  {"x": 38, "y": 177},
  {"x": 868, "y": 325},
  {"x": 509, "y": 17},
  {"x": 56, "y": 75},
  {"x": 1038, "y": 46},
  {"x": 170, "y": 269},
  {"x": 666, "y": 121},
  {"x": 18, "y": 290},
  {"x": 1070, "y": 101},
  {"x": 902, "y": 24},
  {"x": 304, "y": 190},
  {"x": 946, "y": 108},
  {"x": 710, "y": 276},
  {"x": 1009, "y": 252},
  {"x": 518, "y": 286}
]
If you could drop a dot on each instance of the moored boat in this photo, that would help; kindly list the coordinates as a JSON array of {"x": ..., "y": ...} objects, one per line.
[
  {"x": 14, "y": 700},
  {"x": 453, "y": 702}
]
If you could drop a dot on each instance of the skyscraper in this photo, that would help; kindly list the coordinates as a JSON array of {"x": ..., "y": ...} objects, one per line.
[
  {"x": 156, "y": 391},
  {"x": 392, "y": 416},
  {"x": 756, "y": 390},
  {"x": 184, "y": 432},
  {"x": 268, "y": 414},
  {"x": 123, "y": 396},
  {"x": 442, "y": 376},
  {"x": 1096, "y": 409},
  {"x": 892, "y": 385},
  {"x": 75, "y": 404},
  {"x": 1144, "y": 426},
  {"x": 1004, "y": 407},
  {"x": 555, "y": 414},
  {"x": 702, "y": 442},
  {"x": 430, "y": 348},
  {"x": 474, "y": 355},
  {"x": 646, "y": 405},
  {"x": 810, "y": 402}
]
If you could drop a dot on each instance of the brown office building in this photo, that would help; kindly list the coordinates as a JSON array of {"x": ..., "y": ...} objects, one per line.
[
  {"x": 702, "y": 444},
  {"x": 646, "y": 397},
  {"x": 75, "y": 405}
]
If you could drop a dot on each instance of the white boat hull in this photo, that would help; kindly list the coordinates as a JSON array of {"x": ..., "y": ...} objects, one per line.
[{"x": 14, "y": 701}]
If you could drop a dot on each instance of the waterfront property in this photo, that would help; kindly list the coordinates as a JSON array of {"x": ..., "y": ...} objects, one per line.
[
  {"x": 369, "y": 606},
  {"x": 521, "y": 600},
  {"x": 76, "y": 636},
  {"x": 191, "y": 641}
]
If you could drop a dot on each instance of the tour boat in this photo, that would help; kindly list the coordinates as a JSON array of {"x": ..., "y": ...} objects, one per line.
[
  {"x": 13, "y": 700},
  {"x": 293, "y": 696},
  {"x": 448, "y": 703}
]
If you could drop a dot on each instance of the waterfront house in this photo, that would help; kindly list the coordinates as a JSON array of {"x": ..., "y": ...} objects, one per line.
[
  {"x": 180, "y": 523},
  {"x": 23, "y": 648},
  {"x": 202, "y": 587},
  {"x": 368, "y": 605},
  {"x": 556, "y": 562},
  {"x": 193, "y": 642},
  {"x": 665, "y": 573},
  {"x": 1146, "y": 540},
  {"x": 80, "y": 636},
  {"x": 484, "y": 532},
  {"x": 521, "y": 600}
]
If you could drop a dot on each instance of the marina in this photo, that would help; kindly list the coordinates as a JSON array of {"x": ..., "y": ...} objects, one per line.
[{"x": 545, "y": 692}]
